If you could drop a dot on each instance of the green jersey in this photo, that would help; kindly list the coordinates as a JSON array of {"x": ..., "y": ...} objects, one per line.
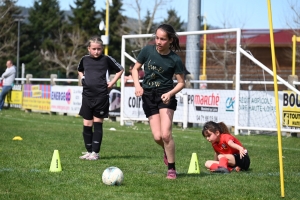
[{"x": 159, "y": 69}]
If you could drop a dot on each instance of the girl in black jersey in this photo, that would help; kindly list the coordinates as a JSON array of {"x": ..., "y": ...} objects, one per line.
[
  {"x": 92, "y": 70},
  {"x": 157, "y": 90}
]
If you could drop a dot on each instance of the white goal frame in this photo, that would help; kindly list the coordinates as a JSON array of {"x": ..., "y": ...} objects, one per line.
[{"x": 239, "y": 52}]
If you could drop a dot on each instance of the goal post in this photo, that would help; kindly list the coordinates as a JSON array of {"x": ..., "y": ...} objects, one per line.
[{"x": 125, "y": 55}]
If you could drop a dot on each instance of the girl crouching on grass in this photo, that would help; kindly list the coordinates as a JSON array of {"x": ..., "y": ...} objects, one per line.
[{"x": 229, "y": 152}]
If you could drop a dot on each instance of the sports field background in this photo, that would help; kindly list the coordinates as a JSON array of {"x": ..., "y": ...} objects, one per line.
[{"x": 24, "y": 165}]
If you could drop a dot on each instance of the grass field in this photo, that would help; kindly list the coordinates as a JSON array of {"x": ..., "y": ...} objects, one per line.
[{"x": 24, "y": 165}]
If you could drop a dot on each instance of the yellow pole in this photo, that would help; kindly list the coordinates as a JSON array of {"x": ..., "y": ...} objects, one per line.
[
  {"x": 276, "y": 99},
  {"x": 294, "y": 39},
  {"x": 203, "y": 76},
  {"x": 106, "y": 26},
  {"x": 294, "y": 54}
]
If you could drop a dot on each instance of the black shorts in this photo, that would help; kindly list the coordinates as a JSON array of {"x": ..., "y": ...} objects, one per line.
[
  {"x": 94, "y": 107},
  {"x": 243, "y": 163},
  {"x": 152, "y": 101}
]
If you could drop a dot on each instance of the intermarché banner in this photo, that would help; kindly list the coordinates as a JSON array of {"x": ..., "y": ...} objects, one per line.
[{"x": 256, "y": 108}]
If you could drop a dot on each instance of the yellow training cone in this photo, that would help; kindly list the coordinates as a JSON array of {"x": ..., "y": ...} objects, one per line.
[
  {"x": 194, "y": 165},
  {"x": 55, "y": 163},
  {"x": 17, "y": 138}
]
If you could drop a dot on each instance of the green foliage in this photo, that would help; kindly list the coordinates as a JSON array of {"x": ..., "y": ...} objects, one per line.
[
  {"x": 85, "y": 17},
  {"x": 8, "y": 29},
  {"x": 24, "y": 168},
  {"x": 146, "y": 29},
  {"x": 174, "y": 20},
  {"x": 45, "y": 19}
]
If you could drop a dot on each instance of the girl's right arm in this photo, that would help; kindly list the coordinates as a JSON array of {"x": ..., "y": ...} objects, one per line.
[
  {"x": 216, "y": 156},
  {"x": 80, "y": 74},
  {"x": 135, "y": 76}
]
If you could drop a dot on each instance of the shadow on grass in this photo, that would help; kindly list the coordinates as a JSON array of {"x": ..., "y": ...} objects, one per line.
[
  {"x": 208, "y": 173},
  {"x": 120, "y": 157}
]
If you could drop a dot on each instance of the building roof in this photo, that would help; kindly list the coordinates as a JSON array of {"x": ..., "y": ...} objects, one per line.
[{"x": 251, "y": 37}]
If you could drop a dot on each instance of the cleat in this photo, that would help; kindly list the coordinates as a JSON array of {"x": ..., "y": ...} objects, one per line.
[
  {"x": 85, "y": 155},
  {"x": 93, "y": 156},
  {"x": 222, "y": 170},
  {"x": 171, "y": 174}
]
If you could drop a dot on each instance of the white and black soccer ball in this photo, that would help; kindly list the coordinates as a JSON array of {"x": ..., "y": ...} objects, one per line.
[{"x": 112, "y": 176}]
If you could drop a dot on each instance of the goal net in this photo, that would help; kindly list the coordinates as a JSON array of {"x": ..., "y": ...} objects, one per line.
[{"x": 239, "y": 89}]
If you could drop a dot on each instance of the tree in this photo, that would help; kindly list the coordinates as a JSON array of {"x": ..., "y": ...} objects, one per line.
[
  {"x": 151, "y": 28},
  {"x": 66, "y": 53},
  {"x": 294, "y": 24},
  {"x": 8, "y": 31},
  {"x": 117, "y": 28},
  {"x": 144, "y": 26},
  {"x": 174, "y": 20},
  {"x": 221, "y": 54},
  {"x": 45, "y": 21},
  {"x": 85, "y": 17}
]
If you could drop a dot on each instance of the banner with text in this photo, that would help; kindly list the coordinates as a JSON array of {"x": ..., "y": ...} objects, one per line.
[
  {"x": 36, "y": 97},
  {"x": 66, "y": 99},
  {"x": 291, "y": 110},
  {"x": 256, "y": 108}
]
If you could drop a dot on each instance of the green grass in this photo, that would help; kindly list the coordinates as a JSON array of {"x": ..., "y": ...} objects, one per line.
[{"x": 24, "y": 165}]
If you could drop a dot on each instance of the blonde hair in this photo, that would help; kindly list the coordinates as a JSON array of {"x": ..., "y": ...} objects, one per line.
[{"x": 94, "y": 39}]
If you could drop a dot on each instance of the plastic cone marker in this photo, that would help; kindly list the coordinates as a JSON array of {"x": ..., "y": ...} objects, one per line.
[
  {"x": 17, "y": 138},
  {"x": 194, "y": 165},
  {"x": 55, "y": 163}
]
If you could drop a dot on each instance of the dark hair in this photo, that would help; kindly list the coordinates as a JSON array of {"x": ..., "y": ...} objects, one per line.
[
  {"x": 171, "y": 35},
  {"x": 214, "y": 127},
  {"x": 95, "y": 39}
]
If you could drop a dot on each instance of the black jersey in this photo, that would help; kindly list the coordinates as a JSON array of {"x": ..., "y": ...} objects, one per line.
[
  {"x": 94, "y": 70},
  {"x": 159, "y": 69}
]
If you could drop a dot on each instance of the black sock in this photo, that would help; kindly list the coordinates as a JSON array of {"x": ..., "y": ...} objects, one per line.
[
  {"x": 88, "y": 137},
  {"x": 171, "y": 166},
  {"x": 97, "y": 137}
]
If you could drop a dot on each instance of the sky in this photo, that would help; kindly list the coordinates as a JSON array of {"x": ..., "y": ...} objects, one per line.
[{"x": 245, "y": 14}]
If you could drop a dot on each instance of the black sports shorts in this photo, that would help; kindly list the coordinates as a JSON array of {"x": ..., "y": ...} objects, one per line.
[
  {"x": 152, "y": 101},
  {"x": 243, "y": 163},
  {"x": 94, "y": 107}
]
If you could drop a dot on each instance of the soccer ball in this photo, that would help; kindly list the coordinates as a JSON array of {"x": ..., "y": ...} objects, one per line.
[{"x": 112, "y": 176}]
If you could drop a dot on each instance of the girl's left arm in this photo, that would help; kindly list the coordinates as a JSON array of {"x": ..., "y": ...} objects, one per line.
[
  {"x": 179, "y": 86},
  {"x": 115, "y": 79}
]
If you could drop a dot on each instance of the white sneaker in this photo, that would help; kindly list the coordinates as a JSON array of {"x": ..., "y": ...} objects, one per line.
[
  {"x": 85, "y": 155},
  {"x": 93, "y": 156}
]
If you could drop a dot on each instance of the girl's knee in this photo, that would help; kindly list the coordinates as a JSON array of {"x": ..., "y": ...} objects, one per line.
[
  {"x": 167, "y": 138},
  {"x": 157, "y": 140},
  {"x": 207, "y": 164}
]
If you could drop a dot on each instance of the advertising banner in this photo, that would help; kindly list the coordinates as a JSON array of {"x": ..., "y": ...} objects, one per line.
[
  {"x": 256, "y": 108},
  {"x": 291, "y": 110},
  {"x": 66, "y": 99},
  {"x": 36, "y": 97},
  {"x": 14, "y": 98}
]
